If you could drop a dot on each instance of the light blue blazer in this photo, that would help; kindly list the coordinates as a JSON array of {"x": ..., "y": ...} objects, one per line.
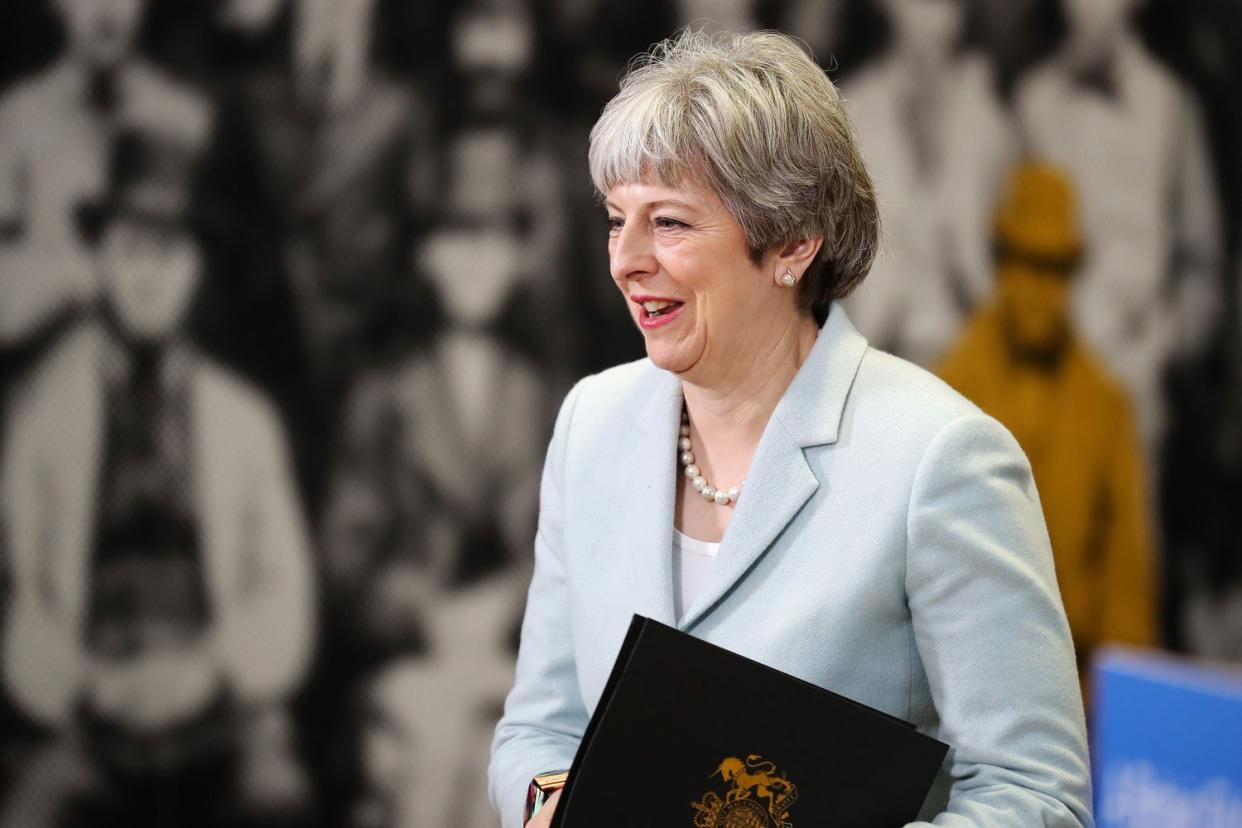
[{"x": 890, "y": 547}]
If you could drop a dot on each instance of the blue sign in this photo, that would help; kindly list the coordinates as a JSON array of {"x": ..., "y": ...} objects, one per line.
[{"x": 1167, "y": 742}]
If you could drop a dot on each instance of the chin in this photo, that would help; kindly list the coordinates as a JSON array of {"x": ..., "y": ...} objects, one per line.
[
  {"x": 661, "y": 360},
  {"x": 671, "y": 359}
]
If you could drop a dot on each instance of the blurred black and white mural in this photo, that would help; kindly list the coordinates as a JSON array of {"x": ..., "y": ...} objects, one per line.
[{"x": 291, "y": 290}]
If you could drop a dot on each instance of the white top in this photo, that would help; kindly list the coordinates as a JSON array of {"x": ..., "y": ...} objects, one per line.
[{"x": 692, "y": 560}]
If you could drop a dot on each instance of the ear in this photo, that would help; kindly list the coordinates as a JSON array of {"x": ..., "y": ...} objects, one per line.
[{"x": 795, "y": 257}]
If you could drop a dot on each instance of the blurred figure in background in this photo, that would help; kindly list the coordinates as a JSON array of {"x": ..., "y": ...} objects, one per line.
[
  {"x": 934, "y": 136},
  {"x": 396, "y": 176},
  {"x": 1021, "y": 360},
  {"x": 162, "y": 608},
  {"x": 386, "y": 751},
  {"x": 55, "y": 132},
  {"x": 431, "y": 515},
  {"x": 491, "y": 54},
  {"x": 1131, "y": 137},
  {"x": 1201, "y": 453},
  {"x": 820, "y": 24},
  {"x": 1201, "y": 492},
  {"x": 504, "y": 152},
  {"x": 431, "y": 497},
  {"x": 717, "y": 15},
  {"x": 347, "y": 176},
  {"x": 1014, "y": 33},
  {"x": 582, "y": 48}
]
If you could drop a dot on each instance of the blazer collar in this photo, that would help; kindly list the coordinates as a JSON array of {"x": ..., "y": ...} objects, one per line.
[
  {"x": 814, "y": 403},
  {"x": 779, "y": 482}
]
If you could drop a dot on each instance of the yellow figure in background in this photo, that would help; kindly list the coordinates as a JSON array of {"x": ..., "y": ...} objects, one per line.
[{"x": 1021, "y": 361}]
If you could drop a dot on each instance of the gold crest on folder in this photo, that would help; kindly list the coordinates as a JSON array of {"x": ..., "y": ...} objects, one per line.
[{"x": 759, "y": 797}]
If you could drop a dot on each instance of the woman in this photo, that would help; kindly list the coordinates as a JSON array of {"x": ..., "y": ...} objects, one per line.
[{"x": 887, "y": 543}]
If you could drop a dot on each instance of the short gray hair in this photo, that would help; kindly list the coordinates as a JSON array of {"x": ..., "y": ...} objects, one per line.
[{"x": 752, "y": 117}]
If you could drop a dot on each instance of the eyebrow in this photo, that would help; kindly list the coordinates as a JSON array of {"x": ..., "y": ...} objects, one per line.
[{"x": 655, "y": 205}]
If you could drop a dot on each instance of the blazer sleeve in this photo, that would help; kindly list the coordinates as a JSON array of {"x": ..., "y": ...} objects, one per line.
[
  {"x": 544, "y": 717},
  {"x": 992, "y": 634}
]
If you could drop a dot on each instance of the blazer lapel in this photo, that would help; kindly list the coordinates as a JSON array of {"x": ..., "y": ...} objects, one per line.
[
  {"x": 778, "y": 484},
  {"x": 649, "y": 477},
  {"x": 781, "y": 481}
]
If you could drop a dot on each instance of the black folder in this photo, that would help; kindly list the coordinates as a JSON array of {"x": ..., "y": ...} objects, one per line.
[{"x": 690, "y": 735}]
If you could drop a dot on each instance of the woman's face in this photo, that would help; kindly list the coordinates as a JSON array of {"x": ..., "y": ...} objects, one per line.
[{"x": 680, "y": 260}]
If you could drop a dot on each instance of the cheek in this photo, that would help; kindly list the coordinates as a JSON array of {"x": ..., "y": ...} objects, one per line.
[
  {"x": 714, "y": 280},
  {"x": 737, "y": 292}
]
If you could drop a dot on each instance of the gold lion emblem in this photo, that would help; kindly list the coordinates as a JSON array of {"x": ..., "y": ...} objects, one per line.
[{"x": 759, "y": 797}]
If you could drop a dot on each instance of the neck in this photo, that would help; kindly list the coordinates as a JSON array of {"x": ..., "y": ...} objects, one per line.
[{"x": 731, "y": 411}]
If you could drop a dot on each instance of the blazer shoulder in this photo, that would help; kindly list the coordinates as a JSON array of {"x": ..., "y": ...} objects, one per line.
[
  {"x": 619, "y": 388},
  {"x": 908, "y": 423},
  {"x": 602, "y": 406},
  {"x": 899, "y": 394}
]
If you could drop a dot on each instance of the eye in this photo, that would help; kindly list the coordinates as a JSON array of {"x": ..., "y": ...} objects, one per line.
[
  {"x": 668, "y": 222},
  {"x": 614, "y": 224}
]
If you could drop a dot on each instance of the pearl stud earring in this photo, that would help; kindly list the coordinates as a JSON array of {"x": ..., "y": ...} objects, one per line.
[{"x": 789, "y": 280}]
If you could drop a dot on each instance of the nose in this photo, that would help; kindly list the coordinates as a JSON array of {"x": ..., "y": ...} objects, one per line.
[{"x": 631, "y": 253}]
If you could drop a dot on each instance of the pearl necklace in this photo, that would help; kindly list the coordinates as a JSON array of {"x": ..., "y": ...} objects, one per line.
[{"x": 697, "y": 480}]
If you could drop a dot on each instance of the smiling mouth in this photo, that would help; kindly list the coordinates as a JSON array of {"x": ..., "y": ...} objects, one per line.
[{"x": 654, "y": 310}]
